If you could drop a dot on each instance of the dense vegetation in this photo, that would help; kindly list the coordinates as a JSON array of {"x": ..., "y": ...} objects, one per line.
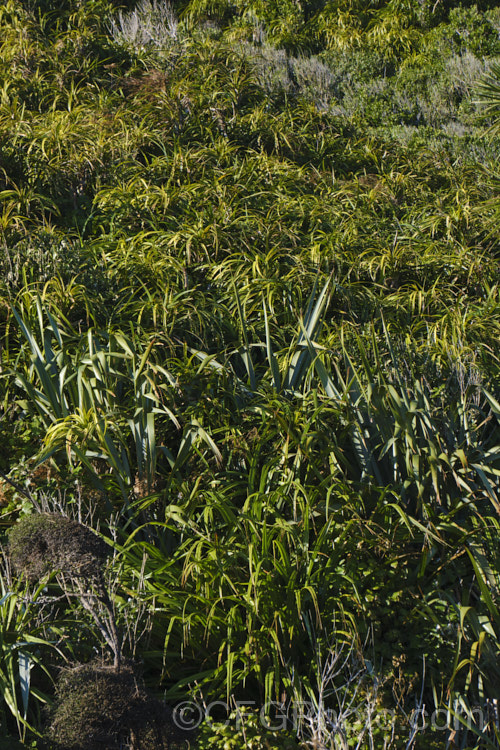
[{"x": 250, "y": 419}]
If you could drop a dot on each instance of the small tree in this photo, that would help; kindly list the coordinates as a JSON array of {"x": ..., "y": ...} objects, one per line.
[{"x": 47, "y": 542}]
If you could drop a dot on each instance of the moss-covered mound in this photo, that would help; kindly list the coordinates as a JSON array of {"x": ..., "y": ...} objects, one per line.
[
  {"x": 98, "y": 707},
  {"x": 44, "y": 542}
]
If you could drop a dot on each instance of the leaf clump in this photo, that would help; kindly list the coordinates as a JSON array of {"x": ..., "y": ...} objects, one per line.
[
  {"x": 99, "y": 707},
  {"x": 44, "y": 542}
]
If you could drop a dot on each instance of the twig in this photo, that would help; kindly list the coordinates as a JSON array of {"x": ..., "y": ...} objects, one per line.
[{"x": 20, "y": 489}]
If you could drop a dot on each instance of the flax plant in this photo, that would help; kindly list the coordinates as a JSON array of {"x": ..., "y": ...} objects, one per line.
[
  {"x": 80, "y": 400},
  {"x": 22, "y": 649}
]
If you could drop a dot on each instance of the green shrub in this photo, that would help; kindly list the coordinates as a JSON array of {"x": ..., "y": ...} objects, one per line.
[
  {"x": 467, "y": 30},
  {"x": 244, "y": 728}
]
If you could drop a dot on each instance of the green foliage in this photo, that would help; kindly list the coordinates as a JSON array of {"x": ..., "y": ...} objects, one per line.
[
  {"x": 22, "y": 649},
  {"x": 489, "y": 92},
  {"x": 244, "y": 728},
  {"x": 467, "y": 30},
  {"x": 249, "y": 318},
  {"x": 78, "y": 400}
]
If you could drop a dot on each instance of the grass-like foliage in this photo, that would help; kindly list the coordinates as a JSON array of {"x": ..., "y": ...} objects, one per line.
[{"x": 250, "y": 415}]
